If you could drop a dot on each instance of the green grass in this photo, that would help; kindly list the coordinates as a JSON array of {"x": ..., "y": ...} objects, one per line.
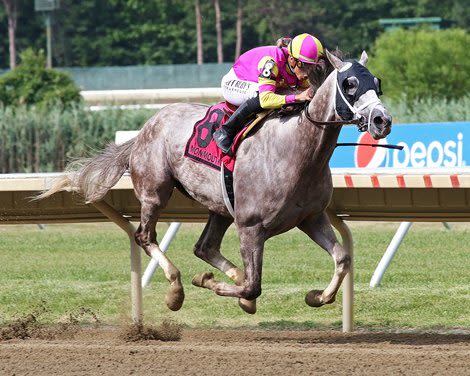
[
  {"x": 66, "y": 268},
  {"x": 428, "y": 110}
]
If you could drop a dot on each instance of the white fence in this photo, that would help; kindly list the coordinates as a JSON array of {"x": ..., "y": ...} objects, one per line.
[{"x": 150, "y": 96}]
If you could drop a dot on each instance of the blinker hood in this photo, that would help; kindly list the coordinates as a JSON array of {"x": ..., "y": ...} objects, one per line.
[{"x": 366, "y": 83}]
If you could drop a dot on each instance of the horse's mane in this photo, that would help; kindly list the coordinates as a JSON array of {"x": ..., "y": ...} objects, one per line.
[{"x": 318, "y": 73}]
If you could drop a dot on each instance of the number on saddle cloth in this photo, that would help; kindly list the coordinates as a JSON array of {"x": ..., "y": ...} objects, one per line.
[
  {"x": 201, "y": 146},
  {"x": 213, "y": 120}
]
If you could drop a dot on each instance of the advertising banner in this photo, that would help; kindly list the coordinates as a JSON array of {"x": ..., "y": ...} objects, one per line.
[{"x": 425, "y": 145}]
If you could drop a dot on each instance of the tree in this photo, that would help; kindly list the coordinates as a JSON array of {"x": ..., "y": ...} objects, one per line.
[
  {"x": 238, "y": 45},
  {"x": 11, "y": 6},
  {"x": 200, "y": 58},
  {"x": 28, "y": 31},
  {"x": 218, "y": 28},
  {"x": 273, "y": 19},
  {"x": 133, "y": 32},
  {"x": 125, "y": 32}
]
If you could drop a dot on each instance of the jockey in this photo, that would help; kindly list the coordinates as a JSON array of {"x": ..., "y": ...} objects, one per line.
[{"x": 255, "y": 77}]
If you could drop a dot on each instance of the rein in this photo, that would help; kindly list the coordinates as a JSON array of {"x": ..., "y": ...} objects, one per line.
[
  {"x": 325, "y": 122},
  {"x": 386, "y": 146}
]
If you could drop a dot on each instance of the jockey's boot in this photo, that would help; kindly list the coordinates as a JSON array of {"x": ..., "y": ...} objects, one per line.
[{"x": 224, "y": 135}]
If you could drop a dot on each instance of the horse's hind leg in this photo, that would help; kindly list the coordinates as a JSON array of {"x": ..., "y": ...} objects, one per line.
[
  {"x": 146, "y": 236},
  {"x": 208, "y": 249},
  {"x": 319, "y": 230}
]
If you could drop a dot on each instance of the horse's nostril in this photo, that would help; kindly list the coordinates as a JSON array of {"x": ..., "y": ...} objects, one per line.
[
  {"x": 382, "y": 121},
  {"x": 378, "y": 120}
]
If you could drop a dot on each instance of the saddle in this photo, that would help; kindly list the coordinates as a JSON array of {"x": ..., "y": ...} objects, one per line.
[{"x": 202, "y": 148}]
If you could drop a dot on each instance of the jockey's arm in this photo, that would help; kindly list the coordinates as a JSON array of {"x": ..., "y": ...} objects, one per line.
[{"x": 267, "y": 86}]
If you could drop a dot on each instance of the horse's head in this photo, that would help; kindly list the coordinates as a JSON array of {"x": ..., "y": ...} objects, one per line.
[{"x": 357, "y": 96}]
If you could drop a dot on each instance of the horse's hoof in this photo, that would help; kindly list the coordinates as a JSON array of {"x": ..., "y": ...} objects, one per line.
[
  {"x": 200, "y": 279},
  {"x": 314, "y": 298},
  {"x": 249, "y": 306},
  {"x": 175, "y": 297}
]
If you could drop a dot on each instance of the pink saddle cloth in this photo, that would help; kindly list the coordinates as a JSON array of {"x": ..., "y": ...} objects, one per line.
[{"x": 201, "y": 147}]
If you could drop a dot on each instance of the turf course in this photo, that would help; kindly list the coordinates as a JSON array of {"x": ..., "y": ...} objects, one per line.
[{"x": 83, "y": 270}]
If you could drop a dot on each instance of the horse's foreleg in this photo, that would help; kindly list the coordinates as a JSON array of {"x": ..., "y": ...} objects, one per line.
[
  {"x": 320, "y": 231},
  {"x": 146, "y": 237},
  {"x": 175, "y": 295},
  {"x": 208, "y": 249}
]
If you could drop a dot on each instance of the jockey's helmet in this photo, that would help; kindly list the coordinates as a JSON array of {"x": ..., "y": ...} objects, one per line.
[{"x": 306, "y": 48}]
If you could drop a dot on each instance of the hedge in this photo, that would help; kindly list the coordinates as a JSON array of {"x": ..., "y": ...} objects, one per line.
[
  {"x": 34, "y": 140},
  {"x": 423, "y": 64}
]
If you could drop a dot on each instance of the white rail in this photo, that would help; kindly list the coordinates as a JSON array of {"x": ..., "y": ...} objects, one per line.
[{"x": 151, "y": 96}]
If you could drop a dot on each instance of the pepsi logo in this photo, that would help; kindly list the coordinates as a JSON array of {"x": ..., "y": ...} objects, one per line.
[{"x": 369, "y": 156}]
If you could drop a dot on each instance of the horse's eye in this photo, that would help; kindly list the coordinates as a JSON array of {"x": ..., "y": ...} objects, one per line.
[{"x": 350, "y": 85}]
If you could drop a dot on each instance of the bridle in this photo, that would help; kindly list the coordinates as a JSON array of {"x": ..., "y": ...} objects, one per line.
[
  {"x": 328, "y": 122},
  {"x": 358, "y": 119}
]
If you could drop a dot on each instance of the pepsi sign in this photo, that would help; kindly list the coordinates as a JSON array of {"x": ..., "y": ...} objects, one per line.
[{"x": 425, "y": 145}]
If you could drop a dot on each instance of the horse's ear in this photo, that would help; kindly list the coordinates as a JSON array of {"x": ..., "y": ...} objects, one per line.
[
  {"x": 364, "y": 58},
  {"x": 336, "y": 62}
]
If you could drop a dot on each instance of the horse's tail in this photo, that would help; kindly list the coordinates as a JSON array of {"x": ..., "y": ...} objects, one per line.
[{"x": 94, "y": 177}]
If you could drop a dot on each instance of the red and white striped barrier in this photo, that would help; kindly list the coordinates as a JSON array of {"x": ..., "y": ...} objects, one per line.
[{"x": 405, "y": 178}]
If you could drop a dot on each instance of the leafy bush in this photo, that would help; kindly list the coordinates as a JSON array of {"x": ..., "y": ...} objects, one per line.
[
  {"x": 429, "y": 110},
  {"x": 422, "y": 64},
  {"x": 32, "y": 84},
  {"x": 32, "y": 140}
]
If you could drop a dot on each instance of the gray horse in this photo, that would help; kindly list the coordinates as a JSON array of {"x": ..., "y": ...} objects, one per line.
[{"x": 281, "y": 178}]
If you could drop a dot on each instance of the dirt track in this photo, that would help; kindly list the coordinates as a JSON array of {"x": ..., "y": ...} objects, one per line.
[{"x": 223, "y": 352}]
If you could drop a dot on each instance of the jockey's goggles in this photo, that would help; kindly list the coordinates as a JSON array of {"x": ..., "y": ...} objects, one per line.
[{"x": 302, "y": 65}]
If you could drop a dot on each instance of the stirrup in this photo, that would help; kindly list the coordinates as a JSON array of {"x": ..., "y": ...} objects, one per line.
[{"x": 222, "y": 139}]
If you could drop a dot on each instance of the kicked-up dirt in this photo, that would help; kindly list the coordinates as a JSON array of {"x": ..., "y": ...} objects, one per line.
[{"x": 116, "y": 351}]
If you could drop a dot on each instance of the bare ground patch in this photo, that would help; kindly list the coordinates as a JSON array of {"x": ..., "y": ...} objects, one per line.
[{"x": 104, "y": 351}]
